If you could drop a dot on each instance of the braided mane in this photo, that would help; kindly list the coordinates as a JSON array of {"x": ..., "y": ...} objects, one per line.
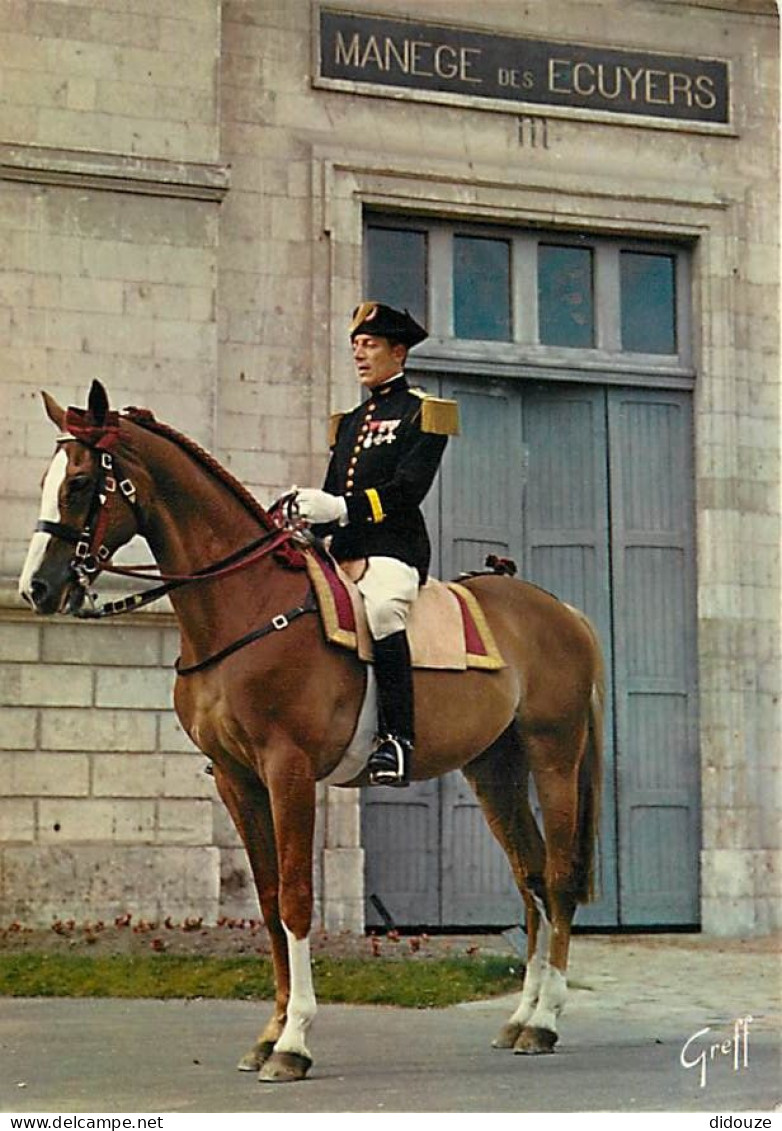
[{"x": 145, "y": 419}]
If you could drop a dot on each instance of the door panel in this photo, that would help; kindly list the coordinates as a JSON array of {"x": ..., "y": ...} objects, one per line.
[
  {"x": 401, "y": 838},
  {"x": 482, "y": 479},
  {"x": 650, "y": 436},
  {"x": 566, "y": 550},
  {"x": 481, "y": 500}
]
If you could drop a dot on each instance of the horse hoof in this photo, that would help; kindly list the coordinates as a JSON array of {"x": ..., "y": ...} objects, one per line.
[
  {"x": 535, "y": 1042},
  {"x": 507, "y": 1036},
  {"x": 284, "y": 1068},
  {"x": 256, "y": 1057}
]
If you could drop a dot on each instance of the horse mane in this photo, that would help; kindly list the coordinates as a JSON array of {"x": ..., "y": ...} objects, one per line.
[{"x": 147, "y": 421}]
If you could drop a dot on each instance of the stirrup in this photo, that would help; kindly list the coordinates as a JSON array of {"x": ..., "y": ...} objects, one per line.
[{"x": 389, "y": 762}]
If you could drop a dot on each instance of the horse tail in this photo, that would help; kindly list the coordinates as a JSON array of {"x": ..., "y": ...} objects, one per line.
[{"x": 590, "y": 782}]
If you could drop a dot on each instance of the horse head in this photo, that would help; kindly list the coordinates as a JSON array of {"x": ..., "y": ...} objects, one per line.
[{"x": 87, "y": 511}]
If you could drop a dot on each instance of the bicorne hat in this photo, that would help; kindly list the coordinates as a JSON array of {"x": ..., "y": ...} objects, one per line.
[{"x": 384, "y": 322}]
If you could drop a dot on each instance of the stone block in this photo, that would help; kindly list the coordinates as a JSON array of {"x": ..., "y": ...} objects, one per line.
[
  {"x": 17, "y": 820},
  {"x": 18, "y": 731},
  {"x": 45, "y": 685},
  {"x": 727, "y": 872},
  {"x": 94, "y": 729},
  {"x": 134, "y": 688},
  {"x": 69, "y": 822},
  {"x": 90, "y": 882},
  {"x": 170, "y": 647},
  {"x": 184, "y": 822},
  {"x": 225, "y": 834},
  {"x": 20, "y": 642},
  {"x": 343, "y": 889},
  {"x": 110, "y": 645},
  {"x": 728, "y": 917},
  {"x": 81, "y": 93},
  {"x": 32, "y": 774},
  {"x": 768, "y": 874},
  {"x": 768, "y": 915},
  {"x": 238, "y": 897},
  {"x": 172, "y": 736},
  {"x": 344, "y": 818},
  {"x": 184, "y": 776},
  {"x": 127, "y": 775}
]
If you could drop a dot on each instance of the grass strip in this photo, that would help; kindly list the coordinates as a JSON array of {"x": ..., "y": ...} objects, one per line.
[{"x": 417, "y": 984}]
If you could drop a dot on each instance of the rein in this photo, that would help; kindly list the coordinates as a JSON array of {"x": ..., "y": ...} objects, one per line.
[{"x": 267, "y": 544}]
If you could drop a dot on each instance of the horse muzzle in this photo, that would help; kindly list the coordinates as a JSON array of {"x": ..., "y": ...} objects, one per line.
[{"x": 49, "y": 595}]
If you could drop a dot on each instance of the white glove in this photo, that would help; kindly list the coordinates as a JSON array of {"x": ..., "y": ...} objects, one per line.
[{"x": 318, "y": 506}]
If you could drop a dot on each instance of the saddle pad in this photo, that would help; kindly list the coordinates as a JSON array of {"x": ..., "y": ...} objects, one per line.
[{"x": 446, "y": 628}]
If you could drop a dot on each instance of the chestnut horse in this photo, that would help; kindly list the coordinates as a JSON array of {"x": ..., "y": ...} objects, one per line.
[{"x": 274, "y": 709}]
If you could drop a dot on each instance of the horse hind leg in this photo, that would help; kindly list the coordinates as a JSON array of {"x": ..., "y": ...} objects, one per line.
[
  {"x": 556, "y": 772},
  {"x": 538, "y": 929},
  {"x": 500, "y": 781}
]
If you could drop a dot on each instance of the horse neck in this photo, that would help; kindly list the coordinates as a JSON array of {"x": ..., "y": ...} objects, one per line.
[{"x": 194, "y": 520}]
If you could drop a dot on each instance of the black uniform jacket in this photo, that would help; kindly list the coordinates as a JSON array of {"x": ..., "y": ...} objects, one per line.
[{"x": 385, "y": 454}]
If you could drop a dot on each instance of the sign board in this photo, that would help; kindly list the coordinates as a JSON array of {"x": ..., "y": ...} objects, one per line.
[{"x": 385, "y": 54}]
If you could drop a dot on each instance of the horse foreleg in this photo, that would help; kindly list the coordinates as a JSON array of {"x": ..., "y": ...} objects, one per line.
[
  {"x": 247, "y": 802},
  {"x": 292, "y": 792},
  {"x": 557, "y": 788}
]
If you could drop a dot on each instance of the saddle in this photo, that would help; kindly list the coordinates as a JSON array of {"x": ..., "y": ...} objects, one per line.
[{"x": 446, "y": 629}]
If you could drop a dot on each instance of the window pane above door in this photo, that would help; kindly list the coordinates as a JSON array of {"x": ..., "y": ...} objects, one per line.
[
  {"x": 396, "y": 261},
  {"x": 565, "y": 302},
  {"x": 481, "y": 288},
  {"x": 648, "y": 301},
  {"x": 617, "y": 305}
]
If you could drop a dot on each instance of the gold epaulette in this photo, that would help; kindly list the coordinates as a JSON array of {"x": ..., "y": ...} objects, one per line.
[
  {"x": 334, "y": 420},
  {"x": 438, "y": 415}
]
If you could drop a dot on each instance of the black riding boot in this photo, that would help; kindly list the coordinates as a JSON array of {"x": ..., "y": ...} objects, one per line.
[{"x": 389, "y": 763}]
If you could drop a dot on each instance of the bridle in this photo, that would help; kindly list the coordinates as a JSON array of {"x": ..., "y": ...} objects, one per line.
[{"x": 92, "y": 556}]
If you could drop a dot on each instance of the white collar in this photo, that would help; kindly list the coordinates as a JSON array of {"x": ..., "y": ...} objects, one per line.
[{"x": 390, "y": 381}]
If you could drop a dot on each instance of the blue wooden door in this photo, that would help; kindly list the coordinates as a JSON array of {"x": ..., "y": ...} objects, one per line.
[{"x": 589, "y": 488}]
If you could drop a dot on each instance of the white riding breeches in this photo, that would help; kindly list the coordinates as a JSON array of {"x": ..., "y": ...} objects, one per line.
[{"x": 389, "y": 588}]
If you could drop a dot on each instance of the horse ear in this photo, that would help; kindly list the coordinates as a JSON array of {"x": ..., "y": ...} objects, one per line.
[
  {"x": 55, "y": 413},
  {"x": 98, "y": 402}
]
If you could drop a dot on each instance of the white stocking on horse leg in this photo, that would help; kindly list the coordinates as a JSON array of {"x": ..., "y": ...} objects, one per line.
[
  {"x": 534, "y": 975},
  {"x": 291, "y": 1057},
  {"x": 542, "y": 1025},
  {"x": 539, "y": 1033}
]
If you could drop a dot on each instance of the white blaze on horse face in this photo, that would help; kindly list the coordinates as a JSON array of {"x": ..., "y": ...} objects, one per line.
[
  {"x": 50, "y": 512},
  {"x": 302, "y": 1005}
]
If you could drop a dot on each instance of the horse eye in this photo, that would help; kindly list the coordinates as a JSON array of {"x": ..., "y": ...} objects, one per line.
[{"x": 78, "y": 484}]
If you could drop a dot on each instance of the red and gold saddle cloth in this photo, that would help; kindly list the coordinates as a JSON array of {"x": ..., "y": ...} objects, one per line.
[{"x": 446, "y": 627}]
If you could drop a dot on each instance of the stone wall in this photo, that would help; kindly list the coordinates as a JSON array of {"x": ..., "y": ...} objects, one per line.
[
  {"x": 109, "y": 216},
  {"x": 105, "y": 808}
]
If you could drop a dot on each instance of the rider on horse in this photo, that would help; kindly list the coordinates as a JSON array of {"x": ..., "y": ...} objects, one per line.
[{"x": 384, "y": 457}]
